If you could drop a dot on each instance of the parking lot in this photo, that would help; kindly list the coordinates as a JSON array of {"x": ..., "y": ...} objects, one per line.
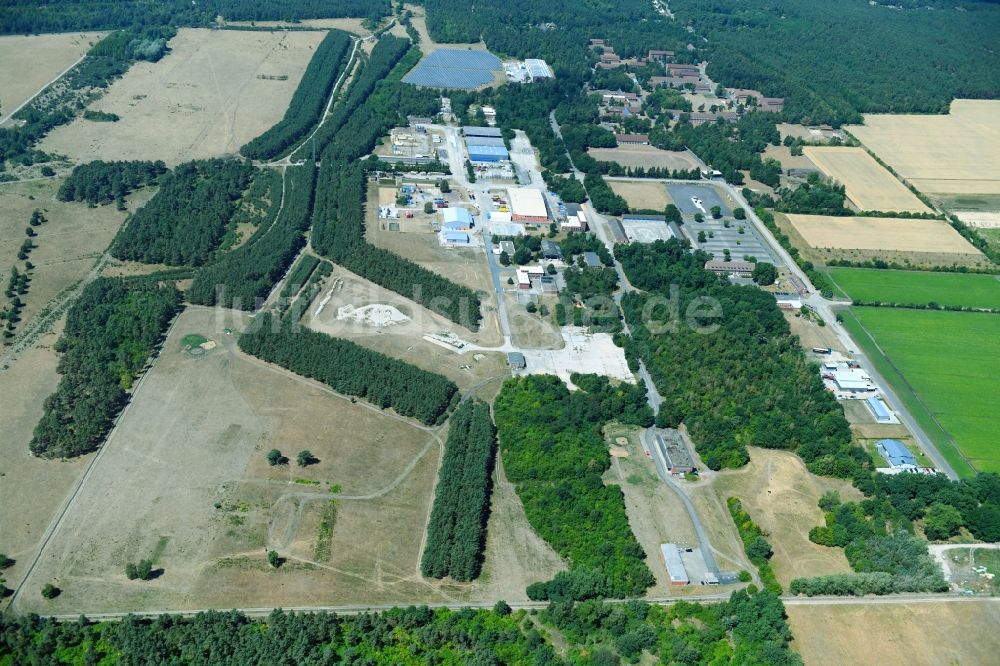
[
  {"x": 719, "y": 238},
  {"x": 684, "y": 197}
]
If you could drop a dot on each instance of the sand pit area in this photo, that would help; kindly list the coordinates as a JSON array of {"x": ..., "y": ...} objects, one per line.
[
  {"x": 377, "y": 314},
  {"x": 880, "y": 233},
  {"x": 205, "y": 98},
  {"x": 958, "y": 153},
  {"x": 869, "y": 185}
]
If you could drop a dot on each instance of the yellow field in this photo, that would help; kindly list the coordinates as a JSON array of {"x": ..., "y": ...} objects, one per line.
[
  {"x": 954, "y": 154},
  {"x": 639, "y": 194},
  {"x": 868, "y": 184},
  {"x": 646, "y": 156},
  {"x": 29, "y": 63},
  {"x": 880, "y": 233},
  {"x": 942, "y": 632},
  {"x": 204, "y": 99}
]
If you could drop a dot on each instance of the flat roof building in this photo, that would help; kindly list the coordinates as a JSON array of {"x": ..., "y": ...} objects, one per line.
[
  {"x": 482, "y": 131},
  {"x": 853, "y": 380},
  {"x": 456, "y": 237},
  {"x": 456, "y": 219},
  {"x": 551, "y": 250},
  {"x": 896, "y": 453},
  {"x": 879, "y": 409},
  {"x": 538, "y": 69},
  {"x": 675, "y": 566},
  {"x": 479, "y": 153},
  {"x": 516, "y": 360},
  {"x": 632, "y": 139},
  {"x": 591, "y": 259},
  {"x": 485, "y": 141},
  {"x": 617, "y": 230},
  {"x": 737, "y": 268},
  {"x": 527, "y": 205}
]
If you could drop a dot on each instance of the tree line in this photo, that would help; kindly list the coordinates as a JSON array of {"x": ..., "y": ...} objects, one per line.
[
  {"x": 351, "y": 369},
  {"x": 184, "y": 222},
  {"x": 309, "y": 100},
  {"x": 755, "y": 544},
  {"x": 110, "y": 332},
  {"x": 243, "y": 276},
  {"x": 554, "y": 452},
  {"x": 456, "y": 533},
  {"x": 101, "y": 182},
  {"x": 339, "y": 234}
]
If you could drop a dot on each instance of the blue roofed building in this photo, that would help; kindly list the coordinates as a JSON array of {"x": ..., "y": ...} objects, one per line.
[
  {"x": 896, "y": 453},
  {"x": 478, "y": 153},
  {"x": 456, "y": 219},
  {"x": 879, "y": 409},
  {"x": 456, "y": 237}
]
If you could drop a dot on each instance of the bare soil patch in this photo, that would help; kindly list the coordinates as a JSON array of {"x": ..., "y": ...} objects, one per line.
[
  {"x": 781, "y": 496},
  {"x": 640, "y": 194},
  {"x": 958, "y": 153},
  {"x": 869, "y": 185},
  {"x": 905, "y": 634},
  {"x": 203, "y": 99},
  {"x": 31, "y": 62},
  {"x": 646, "y": 156}
]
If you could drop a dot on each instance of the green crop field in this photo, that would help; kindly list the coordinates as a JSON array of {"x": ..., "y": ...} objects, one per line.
[
  {"x": 918, "y": 287},
  {"x": 943, "y": 365}
]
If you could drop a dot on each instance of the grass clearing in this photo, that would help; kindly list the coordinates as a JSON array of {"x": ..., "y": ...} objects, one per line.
[
  {"x": 640, "y": 194},
  {"x": 944, "y": 632},
  {"x": 957, "y": 154},
  {"x": 205, "y": 98},
  {"x": 938, "y": 362},
  {"x": 918, "y": 288},
  {"x": 869, "y": 185},
  {"x": 646, "y": 156}
]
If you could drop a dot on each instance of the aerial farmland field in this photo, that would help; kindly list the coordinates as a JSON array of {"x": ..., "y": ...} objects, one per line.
[
  {"x": 957, "y": 154},
  {"x": 214, "y": 91},
  {"x": 943, "y": 366},
  {"x": 869, "y": 185},
  {"x": 919, "y": 287}
]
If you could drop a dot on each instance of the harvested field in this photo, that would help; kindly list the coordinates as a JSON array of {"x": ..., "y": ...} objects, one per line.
[
  {"x": 943, "y": 632},
  {"x": 204, "y": 99},
  {"x": 954, "y": 154},
  {"x": 646, "y": 156},
  {"x": 642, "y": 194},
  {"x": 781, "y": 496},
  {"x": 869, "y": 185},
  {"x": 881, "y": 233},
  {"x": 31, "y": 62},
  {"x": 185, "y": 475},
  {"x": 784, "y": 155},
  {"x": 67, "y": 246}
]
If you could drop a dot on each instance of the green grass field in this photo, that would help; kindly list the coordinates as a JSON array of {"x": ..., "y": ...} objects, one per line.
[
  {"x": 918, "y": 287},
  {"x": 193, "y": 340},
  {"x": 944, "y": 366}
]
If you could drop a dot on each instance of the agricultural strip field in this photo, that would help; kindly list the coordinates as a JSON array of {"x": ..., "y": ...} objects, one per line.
[
  {"x": 869, "y": 185},
  {"x": 957, "y": 154},
  {"x": 185, "y": 477},
  {"x": 918, "y": 287},
  {"x": 30, "y": 62},
  {"x": 932, "y": 240},
  {"x": 646, "y": 156},
  {"x": 942, "y": 365},
  {"x": 205, "y": 98},
  {"x": 650, "y": 195},
  {"x": 926, "y": 634}
]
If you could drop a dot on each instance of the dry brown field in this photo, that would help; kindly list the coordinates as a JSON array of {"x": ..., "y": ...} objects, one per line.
[
  {"x": 868, "y": 184},
  {"x": 352, "y": 25},
  {"x": 203, "y": 99},
  {"x": 958, "y": 153},
  {"x": 880, "y": 233},
  {"x": 646, "y": 156},
  {"x": 67, "y": 246},
  {"x": 405, "y": 340},
  {"x": 781, "y": 496},
  {"x": 31, "y": 62},
  {"x": 810, "y": 134},
  {"x": 642, "y": 194},
  {"x": 931, "y": 634},
  {"x": 784, "y": 155}
]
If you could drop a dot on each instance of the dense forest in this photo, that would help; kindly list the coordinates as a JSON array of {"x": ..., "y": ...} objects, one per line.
[
  {"x": 749, "y": 628},
  {"x": 101, "y": 182},
  {"x": 554, "y": 452},
  {"x": 62, "y": 101},
  {"x": 351, "y": 369},
  {"x": 726, "y": 365},
  {"x": 882, "y": 59},
  {"x": 37, "y": 16},
  {"x": 456, "y": 533},
  {"x": 815, "y": 196},
  {"x": 309, "y": 100},
  {"x": 242, "y": 277},
  {"x": 339, "y": 233},
  {"x": 185, "y": 221},
  {"x": 110, "y": 332}
]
